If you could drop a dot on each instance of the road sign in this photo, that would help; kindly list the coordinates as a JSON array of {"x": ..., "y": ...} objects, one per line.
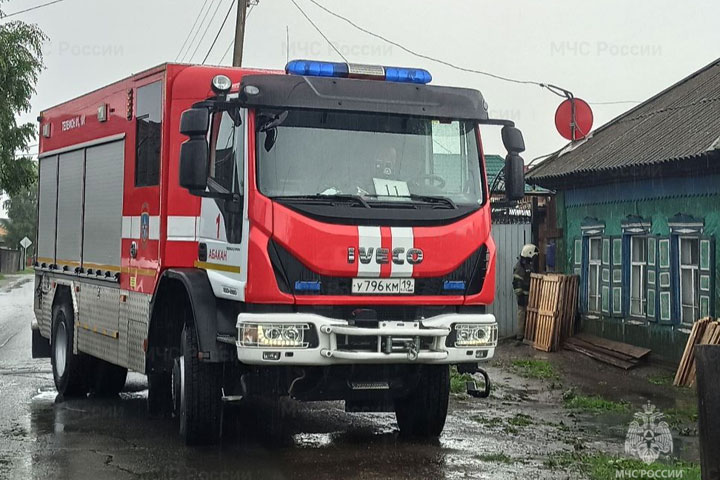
[
  {"x": 25, "y": 242},
  {"x": 574, "y": 125}
]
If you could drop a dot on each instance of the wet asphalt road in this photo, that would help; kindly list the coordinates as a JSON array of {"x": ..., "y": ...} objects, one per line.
[{"x": 42, "y": 436}]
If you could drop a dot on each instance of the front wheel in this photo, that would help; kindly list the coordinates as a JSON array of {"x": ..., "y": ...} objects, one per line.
[
  {"x": 69, "y": 369},
  {"x": 197, "y": 394},
  {"x": 422, "y": 412}
]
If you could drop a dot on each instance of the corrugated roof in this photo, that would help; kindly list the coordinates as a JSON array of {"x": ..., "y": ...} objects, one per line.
[{"x": 679, "y": 123}]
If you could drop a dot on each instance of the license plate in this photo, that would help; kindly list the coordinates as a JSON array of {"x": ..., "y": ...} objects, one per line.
[{"x": 383, "y": 286}]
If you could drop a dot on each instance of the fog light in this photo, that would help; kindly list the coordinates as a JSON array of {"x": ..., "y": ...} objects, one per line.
[
  {"x": 260, "y": 335},
  {"x": 468, "y": 335}
]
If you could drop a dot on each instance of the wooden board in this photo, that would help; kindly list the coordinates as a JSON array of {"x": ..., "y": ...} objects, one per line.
[
  {"x": 624, "y": 364},
  {"x": 623, "y": 348},
  {"x": 589, "y": 346},
  {"x": 703, "y": 331}
]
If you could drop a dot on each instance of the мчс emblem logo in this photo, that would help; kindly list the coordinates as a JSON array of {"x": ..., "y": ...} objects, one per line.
[
  {"x": 648, "y": 436},
  {"x": 144, "y": 227}
]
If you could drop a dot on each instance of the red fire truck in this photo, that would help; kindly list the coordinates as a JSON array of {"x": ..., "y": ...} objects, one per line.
[{"x": 321, "y": 233}]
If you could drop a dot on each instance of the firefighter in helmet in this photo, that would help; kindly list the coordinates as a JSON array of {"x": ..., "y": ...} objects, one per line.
[{"x": 521, "y": 283}]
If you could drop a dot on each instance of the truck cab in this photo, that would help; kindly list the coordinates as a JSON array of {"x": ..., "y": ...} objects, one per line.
[{"x": 354, "y": 201}]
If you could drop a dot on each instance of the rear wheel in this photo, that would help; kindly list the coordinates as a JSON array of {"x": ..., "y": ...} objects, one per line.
[
  {"x": 69, "y": 369},
  {"x": 422, "y": 413},
  {"x": 197, "y": 394}
]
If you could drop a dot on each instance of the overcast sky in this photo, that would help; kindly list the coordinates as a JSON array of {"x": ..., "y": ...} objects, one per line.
[{"x": 610, "y": 50}]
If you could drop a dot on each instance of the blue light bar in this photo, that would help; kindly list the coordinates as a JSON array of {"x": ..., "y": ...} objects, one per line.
[
  {"x": 311, "y": 68},
  {"x": 407, "y": 75},
  {"x": 307, "y": 286},
  {"x": 454, "y": 285}
]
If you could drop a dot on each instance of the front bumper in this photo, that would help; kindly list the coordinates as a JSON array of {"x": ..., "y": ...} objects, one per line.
[{"x": 415, "y": 342}]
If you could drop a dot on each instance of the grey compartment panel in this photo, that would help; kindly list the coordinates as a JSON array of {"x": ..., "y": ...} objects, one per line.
[
  {"x": 47, "y": 208},
  {"x": 70, "y": 208},
  {"x": 104, "y": 174}
]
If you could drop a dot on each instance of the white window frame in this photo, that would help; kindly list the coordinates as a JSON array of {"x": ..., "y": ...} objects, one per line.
[
  {"x": 597, "y": 298},
  {"x": 695, "y": 269},
  {"x": 643, "y": 272}
]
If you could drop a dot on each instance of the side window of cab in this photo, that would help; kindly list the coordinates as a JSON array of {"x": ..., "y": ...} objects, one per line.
[{"x": 226, "y": 154}]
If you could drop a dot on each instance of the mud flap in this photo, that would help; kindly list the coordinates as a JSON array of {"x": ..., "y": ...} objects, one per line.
[{"x": 40, "y": 345}]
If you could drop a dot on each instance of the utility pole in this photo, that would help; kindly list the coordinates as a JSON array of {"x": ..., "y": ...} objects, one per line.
[{"x": 240, "y": 33}]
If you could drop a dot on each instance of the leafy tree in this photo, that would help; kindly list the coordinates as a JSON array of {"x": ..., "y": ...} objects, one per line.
[
  {"x": 22, "y": 217},
  {"x": 20, "y": 64}
]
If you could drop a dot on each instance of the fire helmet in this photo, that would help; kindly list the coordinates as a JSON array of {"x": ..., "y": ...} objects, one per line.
[{"x": 529, "y": 251}]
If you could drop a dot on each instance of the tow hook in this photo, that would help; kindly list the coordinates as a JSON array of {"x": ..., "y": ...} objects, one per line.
[
  {"x": 472, "y": 389},
  {"x": 413, "y": 348}
]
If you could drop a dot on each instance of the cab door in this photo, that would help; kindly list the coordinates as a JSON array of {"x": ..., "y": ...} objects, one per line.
[
  {"x": 223, "y": 226},
  {"x": 141, "y": 210}
]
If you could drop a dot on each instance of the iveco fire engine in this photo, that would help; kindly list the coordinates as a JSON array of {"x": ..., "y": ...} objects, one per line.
[{"x": 321, "y": 233}]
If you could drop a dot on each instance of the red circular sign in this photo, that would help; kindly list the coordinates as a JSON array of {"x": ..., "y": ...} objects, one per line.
[{"x": 583, "y": 119}]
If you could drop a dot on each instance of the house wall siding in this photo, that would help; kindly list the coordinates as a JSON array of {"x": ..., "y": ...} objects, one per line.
[{"x": 655, "y": 200}]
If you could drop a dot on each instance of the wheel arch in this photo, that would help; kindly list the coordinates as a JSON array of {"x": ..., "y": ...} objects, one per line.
[{"x": 189, "y": 290}]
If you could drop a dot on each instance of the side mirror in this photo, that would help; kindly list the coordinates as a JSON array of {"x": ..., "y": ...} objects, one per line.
[
  {"x": 514, "y": 177},
  {"x": 513, "y": 140},
  {"x": 195, "y": 122},
  {"x": 194, "y": 164},
  {"x": 195, "y": 153}
]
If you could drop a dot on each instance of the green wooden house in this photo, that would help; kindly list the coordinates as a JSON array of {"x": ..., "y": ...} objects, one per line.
[{"x": 638, "y": 204}]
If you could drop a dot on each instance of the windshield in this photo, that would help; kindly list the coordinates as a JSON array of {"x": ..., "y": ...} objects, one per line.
[{"x": 313, "y": 153}]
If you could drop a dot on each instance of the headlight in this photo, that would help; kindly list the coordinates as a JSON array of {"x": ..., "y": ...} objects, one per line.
[
  {"x": 467, "y": 335},
  {"x": 274, "y": 335}
]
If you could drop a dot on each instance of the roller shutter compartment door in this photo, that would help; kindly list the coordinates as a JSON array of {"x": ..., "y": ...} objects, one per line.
[
  {"x": 102, "y": 232},
  {"x": 47, "y": 209},
  {"x": 69, "y": 209}
]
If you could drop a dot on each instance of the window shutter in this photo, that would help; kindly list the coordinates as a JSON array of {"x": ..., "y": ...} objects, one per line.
[
  {"x": 584, "y": 265},
  {"x": 616, "y": 250},
  {"x": 605, "y": 276},
  {"x": 664, "y": 281},
  {"x": 707, "y": 276},
  {"x": 651, "y": 280},
  {"x": 626, "y": 265}
]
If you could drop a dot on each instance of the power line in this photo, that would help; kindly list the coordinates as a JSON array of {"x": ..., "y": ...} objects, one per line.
[
  {"x": 207, "y": 27},
  {"x": 197, "y": 32},
  {"x": 546, "y": 86},
  {"x": 233, "y": 42},
  {"x": 232, "y": 5},
  {"x": 426, "y": 57},
  {"x": 318, "y": 28},
  {"x": 197, "y": 19},
  {"x": 31, "y": 8}
]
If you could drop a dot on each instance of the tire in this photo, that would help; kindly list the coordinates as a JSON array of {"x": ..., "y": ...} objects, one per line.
[
  {"x": 422, "y": 413},
  {"x": 108, "y": 380},
  {"x": 69, "y": 370},
  {"x": 197, "y": 394},
  {"x": 160, "y": 399}
]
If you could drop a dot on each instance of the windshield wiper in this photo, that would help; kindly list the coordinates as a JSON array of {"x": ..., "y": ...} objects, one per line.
[
  {"x": 331, "y": 199},
  {"x": 426, "y": 199},
  {"x": 436, "y": 200}
]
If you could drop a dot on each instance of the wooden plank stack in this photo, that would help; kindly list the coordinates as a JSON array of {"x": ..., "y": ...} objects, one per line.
[
  {"x": 611, "y": 352},
  {"x": 704, "y": 332},
  {"x": 531, "y": 316},
  {"x": 551, "y": 311}
]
